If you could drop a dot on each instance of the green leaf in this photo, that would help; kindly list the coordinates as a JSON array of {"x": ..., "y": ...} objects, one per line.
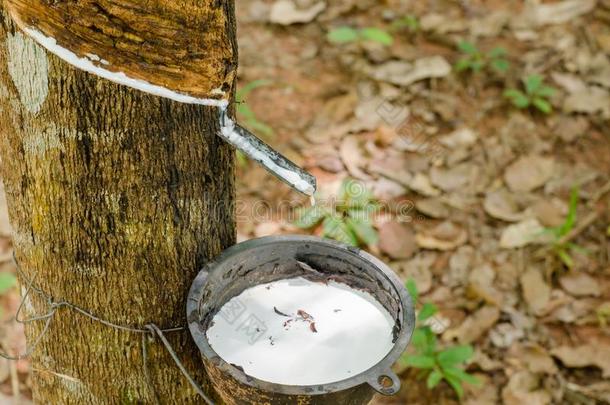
[
  {"x": 342, "y": 35},
  {"x": 363, "y": 214},
  {"x": 247, "y": 89},
  {"x": 462, "y": 64},
  {"x": 500, "y": 65},
  {"x": 419, "y": 339},
  {"x": 477, "y": 65},
  {"x": 434, "y": 378},
  {"x": 242, "y": 159},
  {"x": 461, "y": 375},
  {"x": 376, "y": 35},
  {"x": 497, "y": 52},
  {"x": 542, "y": 105},
  {"x": 517, "y": 97},
  {"x": 546, "y": 91},
  {"x": 412, "y": 289},
  {"x": 343, "y": 194},
  {"x": 565, "y": 257},
  {"x": 419, "y": 361},
  {"x": 335, "y": 228},
  {"x": 310, "y": 217},
  {"x": 455, "y": 384},
  {"x": 245, "y": 112},
  {"x": 570, "y": 220},
  {"x": 260, "y": 127},
  {"x": 455, "y": 355},
  {"x": 354, "y": 194},
  {"x": 468, "y": 47},
  {"x": 576, "y": 248},
  {"x": 532, "y": 84},
  {"x": 7, "y": 282},
  {"x": 427, "y": 310},
  {"x": 424, "y": 340},
  {"x": 410, "y": 21},
  {"x": 363, "y": 230}
]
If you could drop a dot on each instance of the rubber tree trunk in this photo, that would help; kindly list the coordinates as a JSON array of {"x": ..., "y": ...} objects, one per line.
[{"x": 117, "y": 198}]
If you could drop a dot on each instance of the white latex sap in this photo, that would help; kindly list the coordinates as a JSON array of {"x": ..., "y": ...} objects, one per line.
[{"x": 299, "y": 332}]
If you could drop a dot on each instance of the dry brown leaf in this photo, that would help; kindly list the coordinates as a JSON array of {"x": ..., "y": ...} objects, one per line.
[
  {"x": 371, "y": 112},
  {"x": 535, "y": 357},
  {"x": 286, "y": 12},
  {"x": 594, "y": 354},
  {"x": 375, "y": 51},
  {"x": 490, "y": 25},
  {"x": 602, "y": 76},
  {"x": 354, "y": 159},
  {"x": 571, "y": 83},
  {"x": 580, "y": 284},
  {"x": 590, "y": 101},
  {"x": 525, "y": 388},
  {"x": 445, "y": 236},
  {"x": 475, "y": 325},
  {"x": 391, "y": 166},
  {"x": 522, "y": 234},
  {"x": 481, "y": 285},
  {"x": 432, "y": 207},
  {"x": 463, "y": 137},
  {"x": 338, "y": 8},
  {"x": 267, "y": 228},
  {"x": 393, "y": 115},
  {"x": 569, "y": 175},
  {"x": 521, "y": 133},
  {"x": 484, "y": 393},
  {"x": 536, "y": 291},
  {"x": 569, "y": 310},
  {"x": 555, "y": 13},
  {"x": 258, "y": 12},
  {"x": 386, "y": 189},
  {"x": 599, "y": 391},
  {"x": 505, "y": 334},
  {"x": 445, "y": 105},
  {"x": 529, "y": 173},
  {"x": 454, "y": 178},
  {"x": 550, "y": 213},
  {"x": 442, "y": 24},
  {"x": 327, "y": 133},
  {"x": 11, "y": 400},
  {"x": 460, "y": 264},
  {"x": 421, "y": 184},
  {"x": 397, "y": 240},
  {"x": 417, "y": 269},
  {"x": 485, "y": 362},
  {"x": 385, "y": 135},
  {"x": 403, "y": 73},
  {"x": 330, "y": 163},
  {"x": 500, "y": 204}
]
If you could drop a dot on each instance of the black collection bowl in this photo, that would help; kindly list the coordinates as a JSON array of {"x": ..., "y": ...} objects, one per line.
[{"x": 268, "y": 259}]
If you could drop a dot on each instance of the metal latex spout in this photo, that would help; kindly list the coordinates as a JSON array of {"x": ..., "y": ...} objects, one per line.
[{"x": 259, "y": 151}]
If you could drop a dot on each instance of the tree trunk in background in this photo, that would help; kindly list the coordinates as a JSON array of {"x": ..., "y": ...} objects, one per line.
[{"x": 117, "y": 198}]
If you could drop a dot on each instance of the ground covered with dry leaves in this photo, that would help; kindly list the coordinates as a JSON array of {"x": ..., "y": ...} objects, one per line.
[{"x": 493, "y": 195}]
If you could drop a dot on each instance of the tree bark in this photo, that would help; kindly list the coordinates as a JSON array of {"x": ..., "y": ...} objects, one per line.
[
  {"x": 117, "y": 198},
  {"x": 186, "y": 46}
]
